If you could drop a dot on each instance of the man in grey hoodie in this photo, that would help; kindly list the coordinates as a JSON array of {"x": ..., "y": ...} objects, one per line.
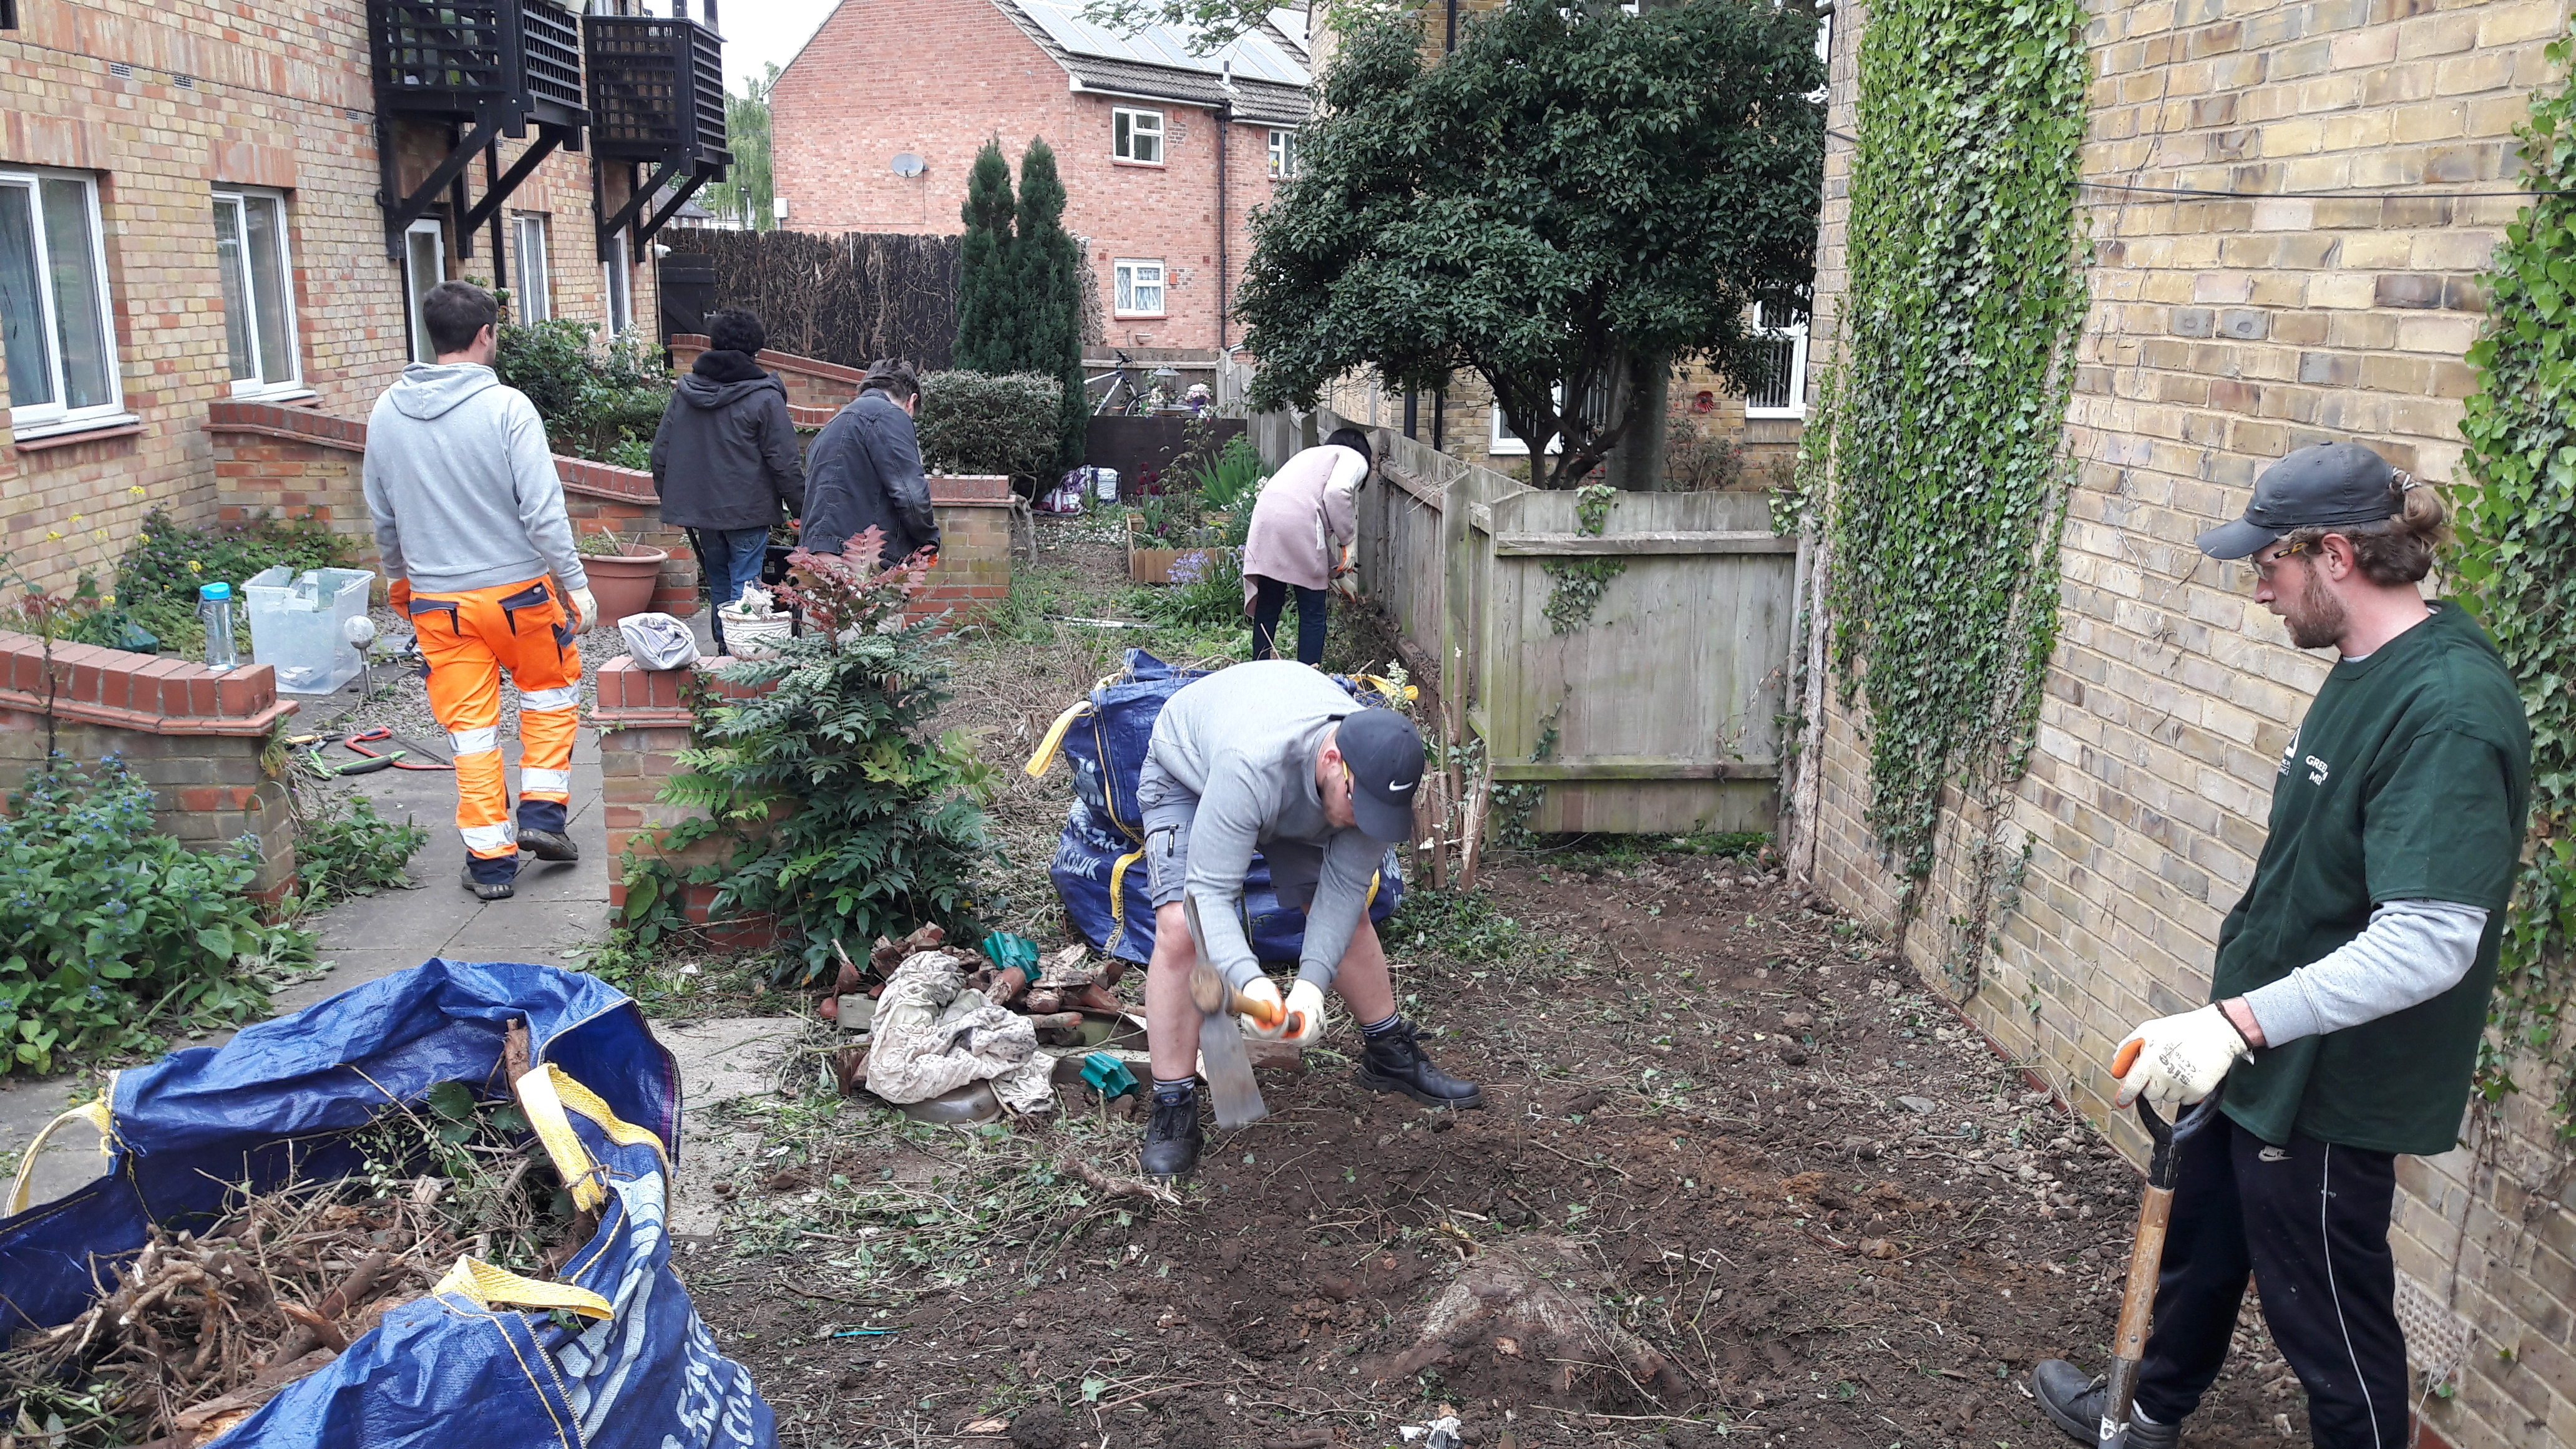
[
  {"x": 469, "y": 516},
  {"x": 725, "y": 460}
]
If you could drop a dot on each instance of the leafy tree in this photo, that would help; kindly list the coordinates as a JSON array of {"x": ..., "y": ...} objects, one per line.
[
  {"x": 1573, "y": 188},
  {"x": 1050, "y": 291},
  {"x": 745, "y": 194},
  {"x": 989, "y": 314}
]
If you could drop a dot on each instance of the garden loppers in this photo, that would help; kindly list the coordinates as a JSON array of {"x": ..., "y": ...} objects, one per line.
[
  {"x": 2146, "y": 1251},
  {"x": 357, "y": 744},
  {"x": 1223, "y": 1059}
]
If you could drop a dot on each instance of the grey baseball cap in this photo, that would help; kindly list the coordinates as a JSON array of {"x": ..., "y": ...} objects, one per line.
[
  {"x": 2319, "y": 486},
  {"x": 1384, "y": 753}
]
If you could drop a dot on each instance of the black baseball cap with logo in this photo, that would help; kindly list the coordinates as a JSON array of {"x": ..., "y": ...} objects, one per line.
[
  {"x": 2318, "y": 486},
  {"x": 1383, "y": 751}
]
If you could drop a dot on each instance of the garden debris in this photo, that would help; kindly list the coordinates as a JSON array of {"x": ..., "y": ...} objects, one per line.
[
  {"x": 1506, "y": 1303},
  {"x": 934, "y": 1036}
]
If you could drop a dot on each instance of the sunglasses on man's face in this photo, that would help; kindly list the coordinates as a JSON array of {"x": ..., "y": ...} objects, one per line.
[{"x": 2264, "y": 567}]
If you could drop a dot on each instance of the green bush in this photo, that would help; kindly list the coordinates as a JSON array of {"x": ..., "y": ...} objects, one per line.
[
  {"x": 344, "y": 848},
  {"x": 157, "y": 579},
  {"x": 1233, "y": 478},
  {"x": 879, "y": 829},
  {"x": 974, "y": 423},
  {"x": 106, "y": 925},
  {"x": 600, "y": 403}
]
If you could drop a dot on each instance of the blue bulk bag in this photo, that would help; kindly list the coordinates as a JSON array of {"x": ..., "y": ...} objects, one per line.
[
  {"x": 483, "y": 1354},
  {"x": 1098, "y": 862}
]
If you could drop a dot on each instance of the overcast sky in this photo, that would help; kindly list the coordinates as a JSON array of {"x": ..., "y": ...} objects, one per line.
[{"x": 757, "y": 32}]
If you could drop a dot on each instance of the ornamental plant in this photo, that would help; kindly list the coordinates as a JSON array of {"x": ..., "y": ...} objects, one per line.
[
  {"x": 107, "y": 925},
  {"x": 1569, "y": 202},
  {"x": 2514, "y": 566},
  {"x": 848, "y": 821}
]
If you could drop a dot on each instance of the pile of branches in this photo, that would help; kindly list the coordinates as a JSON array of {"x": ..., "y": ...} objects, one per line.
[{"x": 201, "y": 1328}]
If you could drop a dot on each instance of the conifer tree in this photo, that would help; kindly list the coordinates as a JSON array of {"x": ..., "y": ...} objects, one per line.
[
  {"x": 1050, "y": 290},
  {"x": 989, "y": 313}
]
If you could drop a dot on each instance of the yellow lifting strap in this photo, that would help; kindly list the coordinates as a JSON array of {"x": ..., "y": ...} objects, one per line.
[
  {"x": 1044, "y": 759},
  {"x": 96, "y": 1114},
  {"x": 1118, "y": 898},
  {"x": 1375, "y": 881},
  {"x": 1387, "y": 690},
  {"x": 545, "y": 1094},
  {"x": 488, "y": 1286}
]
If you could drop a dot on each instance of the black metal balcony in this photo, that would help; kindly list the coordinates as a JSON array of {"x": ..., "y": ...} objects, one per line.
[
  {"x": 514, "y": 61},
  {"x": 657, "y": 92}
]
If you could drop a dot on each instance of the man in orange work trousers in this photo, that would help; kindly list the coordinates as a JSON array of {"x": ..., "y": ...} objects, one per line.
[{"x": 469, "y": 516}]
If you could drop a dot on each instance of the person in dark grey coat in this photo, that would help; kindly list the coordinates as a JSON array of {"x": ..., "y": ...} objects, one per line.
[
  {"x": 864, "y": 471},
  {"x": 725, "y": 458}
]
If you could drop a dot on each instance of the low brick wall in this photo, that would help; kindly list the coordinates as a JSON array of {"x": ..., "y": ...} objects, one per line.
[
  {"x": 815, "y": 389},
  {"x": 273, "y": 461},
  {"x": 643, "y": 725},
  {"x": 193, "y": 734}
]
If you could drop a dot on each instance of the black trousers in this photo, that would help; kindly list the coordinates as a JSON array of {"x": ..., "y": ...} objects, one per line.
[
  {"x": 1268, "y": 597},
  {"x": 2310, "y": 1223}
]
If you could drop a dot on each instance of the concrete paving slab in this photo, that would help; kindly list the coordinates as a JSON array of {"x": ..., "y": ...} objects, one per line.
[{"x": 719, "y": 1060}]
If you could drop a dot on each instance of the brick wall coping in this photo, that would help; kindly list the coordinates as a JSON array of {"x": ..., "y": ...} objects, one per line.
[
  {"x": 146, "y": 693},
  {"x": 580, "y": 475},
  {"x": 634, "y": 697},
  {"x": 687, "y": 345}
]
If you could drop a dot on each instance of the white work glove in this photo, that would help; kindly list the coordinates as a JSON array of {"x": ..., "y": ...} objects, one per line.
[
  {"x": 2178, "y": 1058},
  {"x": 585, "y": 611},
  {"x": 1265, "y": 990},
  {"x": 1306, "y": 1003}
]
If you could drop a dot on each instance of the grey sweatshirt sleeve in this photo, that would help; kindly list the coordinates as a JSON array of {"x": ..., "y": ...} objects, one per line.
[
  {"x": 1223, "y": 834},
  {"x": 1341, "y": 901},
  {"x": 2411, "y": 952},
  {"x": 380, "y": 509},
  {"x": 540, "y": 493}
]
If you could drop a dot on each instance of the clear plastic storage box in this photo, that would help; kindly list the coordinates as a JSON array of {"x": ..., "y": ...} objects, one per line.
[{"x": 299, "y": 623}]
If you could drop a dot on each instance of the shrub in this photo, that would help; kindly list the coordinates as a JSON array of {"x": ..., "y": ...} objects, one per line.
[
  {"x": 877, "y": 829},
  {"x": 157, "y": 579},
  {"x": 600, "y": 403},
  {"x": 344, "y": 848},
  {"x": 1233, "y": 477},
  {"x": 107, "y": 925},
  {"x": 1697, "y": 462},
  {"x": 973, "y": 423}
]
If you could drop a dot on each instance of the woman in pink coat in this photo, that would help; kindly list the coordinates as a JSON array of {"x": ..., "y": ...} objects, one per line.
[{"x": 1299, "y": 527}]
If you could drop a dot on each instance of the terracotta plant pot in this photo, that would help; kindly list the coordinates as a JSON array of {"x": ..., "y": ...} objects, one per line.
[{"x": 623, "y": 583}]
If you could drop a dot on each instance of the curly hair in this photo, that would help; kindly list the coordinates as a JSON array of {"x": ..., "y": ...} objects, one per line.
[{"x": 2398, "y": 549}]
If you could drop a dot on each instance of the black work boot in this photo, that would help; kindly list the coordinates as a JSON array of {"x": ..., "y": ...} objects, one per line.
[
  {"x": 1173, "y": 1138},
  {"x": 548, "y": 844},
  {"x": 2073, "y": 1400},
  {"x": 1394, "y": 1062},
  {"x": 489, "y": 884}
]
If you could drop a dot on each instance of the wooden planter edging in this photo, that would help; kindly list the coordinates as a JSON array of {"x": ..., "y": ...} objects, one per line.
[{"x": 1154, "y": 565}]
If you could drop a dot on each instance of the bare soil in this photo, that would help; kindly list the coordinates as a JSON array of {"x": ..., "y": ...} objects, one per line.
[{"x": 1737, "y": 1175}]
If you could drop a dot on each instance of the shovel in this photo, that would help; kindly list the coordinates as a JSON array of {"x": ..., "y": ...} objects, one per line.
[
  {"x": 1222, "y": 1056},
  {"x": 2146, "y": 1252}
]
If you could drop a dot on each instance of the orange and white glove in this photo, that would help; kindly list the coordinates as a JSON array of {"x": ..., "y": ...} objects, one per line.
[
  {"x": 2178, "y": 1058},
  {"x": 1273, "y": 1011},
  {"x": 1305, "y": 1013}
]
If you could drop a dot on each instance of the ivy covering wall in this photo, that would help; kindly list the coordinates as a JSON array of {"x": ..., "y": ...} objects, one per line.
[
  {"x": 2515, "y": 567},
  {"x": 1943, "y": 426}
]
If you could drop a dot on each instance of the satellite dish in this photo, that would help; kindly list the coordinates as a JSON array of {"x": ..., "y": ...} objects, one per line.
[{"x": 908, "y": 164}]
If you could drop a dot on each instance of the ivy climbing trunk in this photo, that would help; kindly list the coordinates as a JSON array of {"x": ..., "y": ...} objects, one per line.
[{"x": 1948, "y": 472}]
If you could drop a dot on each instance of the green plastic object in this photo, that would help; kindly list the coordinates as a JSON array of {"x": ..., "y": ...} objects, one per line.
[
  {"x": 1004, "y": 949},
  {"x": 1107, "y": 1075}
]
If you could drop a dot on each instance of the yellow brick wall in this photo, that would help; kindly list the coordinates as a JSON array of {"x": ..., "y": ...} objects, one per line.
[
  {"x": 2223, "y": 333},
  {"x": 283, "y": 102}
]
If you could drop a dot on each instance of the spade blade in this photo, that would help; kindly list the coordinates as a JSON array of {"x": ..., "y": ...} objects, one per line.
[{"x": 1229, "y": 1072}]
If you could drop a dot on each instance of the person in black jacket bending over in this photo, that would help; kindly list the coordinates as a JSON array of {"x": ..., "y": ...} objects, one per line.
[
  {"x": 864, "y": 472},
  {"x": 725, "y": 458}
]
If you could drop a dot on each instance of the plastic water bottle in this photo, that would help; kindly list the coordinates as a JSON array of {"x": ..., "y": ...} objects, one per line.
[{"x": 215, "y": 611}]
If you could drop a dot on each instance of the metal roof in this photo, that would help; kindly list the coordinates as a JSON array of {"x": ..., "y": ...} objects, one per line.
[
  {"x": 1088, "y": 59},
  {"x": 1258, "y": 54}
]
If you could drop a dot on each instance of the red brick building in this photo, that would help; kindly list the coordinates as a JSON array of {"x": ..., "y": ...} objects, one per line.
[{"x": 1164, "y": 153}]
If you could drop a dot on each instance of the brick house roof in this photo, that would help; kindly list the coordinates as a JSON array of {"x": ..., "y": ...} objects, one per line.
[{"x": 1255, "y": 99}]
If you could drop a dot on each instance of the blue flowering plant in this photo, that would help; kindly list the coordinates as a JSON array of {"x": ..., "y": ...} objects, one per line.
[{"x": 110, "y": 929}]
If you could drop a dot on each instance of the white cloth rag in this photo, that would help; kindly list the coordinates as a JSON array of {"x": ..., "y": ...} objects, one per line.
[
  {"x": 658, "y": 641},
  {"x": 932, "y": 1036}
]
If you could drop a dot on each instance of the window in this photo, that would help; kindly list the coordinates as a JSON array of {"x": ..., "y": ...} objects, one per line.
[
  {"x": 536, "y": 295},
  {"x": 621, "y": 285},
  {"x": 424, "y": 267},
  {"x": 54, "y": 321},
  {"x": 1136, "y": 136},
  {"x": 1283, "y": 154},
  {"x": 1140, "y": 288},
  {"x": 1507, "y": 443},
  {"x": 1783, "y": 331},
  {"x": 259, "y": 301}
]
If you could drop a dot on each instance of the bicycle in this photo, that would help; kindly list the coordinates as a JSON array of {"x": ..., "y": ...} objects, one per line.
[{"x": 1119, "y": 380}]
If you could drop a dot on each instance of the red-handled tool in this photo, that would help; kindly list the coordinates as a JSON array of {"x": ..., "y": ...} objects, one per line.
[{"x": 400, "y": 758}]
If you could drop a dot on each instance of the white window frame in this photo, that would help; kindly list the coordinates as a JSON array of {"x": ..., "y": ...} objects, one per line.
[
  {"x": 1283, "y": 153},
  {"x": 617, "y": 285},
  {"x": 415, "y": 288},
  {"x": 1135, "y": 132},
  {"x": 536, "y": 290},
  {"x": 28, "y": 421},
  {"x": 1502, "y": 442},
  {"x": 1123, "y": 269},
  {"x": 259, "y": 384},
  {"x": 1795, "y": 334}
]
